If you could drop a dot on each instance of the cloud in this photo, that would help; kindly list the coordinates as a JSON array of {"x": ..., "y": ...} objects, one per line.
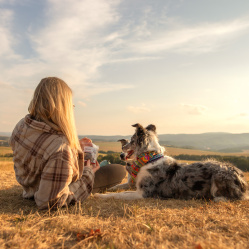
[
  {"x": 69, "y": 44},
  {"x": 73, "y": 34},
  {"x": 201, "y": 38},
  {"x": 132, "y": 59},
  {"x": 86, "y": 91},
  {"x": 241, "y": 115},
  {"x": 138, "y": 109},
  {"x": 81, "y": 103},
  {"x": 6, "y": 38},
  {"x": 79, "y": 37},
  {"x": 195, "y": 109},
  {"x": 3, "y": 85}
]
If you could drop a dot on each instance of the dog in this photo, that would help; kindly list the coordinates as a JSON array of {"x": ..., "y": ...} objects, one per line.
[
  {"x": 123, "y": 156},
  {"x": 160, "y": 176}
]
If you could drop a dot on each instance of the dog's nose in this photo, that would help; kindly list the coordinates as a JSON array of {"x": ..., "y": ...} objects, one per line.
[{"x": 122, "y": 156}]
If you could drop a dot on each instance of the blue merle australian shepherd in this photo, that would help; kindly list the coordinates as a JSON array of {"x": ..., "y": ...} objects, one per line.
[{"x": 159, "y": 176}]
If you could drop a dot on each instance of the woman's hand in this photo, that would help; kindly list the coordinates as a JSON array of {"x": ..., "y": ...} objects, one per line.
[
  {"x": 93, "y": 166},
  {"x": 85, "y": 142}
]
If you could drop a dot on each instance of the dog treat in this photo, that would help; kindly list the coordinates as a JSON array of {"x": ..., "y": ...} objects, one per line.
[{"x": 91, "y": 153}]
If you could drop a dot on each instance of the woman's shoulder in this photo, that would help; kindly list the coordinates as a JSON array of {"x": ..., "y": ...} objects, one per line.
[
  {"x": 17, "y": 130},
  {"x": 59, "y": 147},
  {"x": 46, "y": 144},
  {"x": 58, "y": 143},
  {"x": 19, "y": 125}
]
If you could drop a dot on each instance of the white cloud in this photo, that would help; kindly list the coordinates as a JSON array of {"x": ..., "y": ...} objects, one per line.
[
  {"x": 78, "y": 37},
  {"x": 138, "y": 109},
  {"x": 201, "y": 38},
  {"x": 6, "y": 38},
  {"x": 195, "y": 109},
  {"x": 81, "y": 103},
  {"x": 69, "y": 45},
  {"x": 132, "y": 59},
  {"x": 86, "y": 91},
  {"x": 73, "y": 34},
  {"x": 242, "y": 115}
]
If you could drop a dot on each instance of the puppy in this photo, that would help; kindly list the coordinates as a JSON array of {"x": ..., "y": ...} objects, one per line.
[{"x": 160, "y": 176}]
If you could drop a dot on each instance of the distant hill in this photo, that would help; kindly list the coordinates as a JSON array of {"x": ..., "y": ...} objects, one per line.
[
  {"x": 4, "y": 140},
  {"x": 105, "y": 138},
  {"x": 218, "y": 141},
  {"x": 5, "y": 134},
  {"x": 212, "y": 141}
]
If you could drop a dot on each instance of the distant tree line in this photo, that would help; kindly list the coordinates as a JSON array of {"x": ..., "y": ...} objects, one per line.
[
  {"x": 241, "y": 162},
  {"x": 4, "y": 144},
  {"x": 7, "y": 155},
  {"x": 4, "y": 141},
  {"x": 106, "y": 152},
  {"x": 111, "y": 157}
]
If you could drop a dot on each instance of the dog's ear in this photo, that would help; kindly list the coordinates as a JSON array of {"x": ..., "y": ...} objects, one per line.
[
  {"x": 123, "y": 141},
  {"x": 139, "y": 129},
  {"x": 151, "y": 127},
  {"x": 141, "y": 133}
]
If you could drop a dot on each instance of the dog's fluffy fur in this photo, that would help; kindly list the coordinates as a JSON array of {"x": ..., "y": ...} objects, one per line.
[{"x": 166, "y": 178}]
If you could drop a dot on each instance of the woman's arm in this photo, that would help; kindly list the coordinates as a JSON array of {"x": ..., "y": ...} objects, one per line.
[
  {"x": 82, "y": 188},
  {"x": 55, "y": 188}
]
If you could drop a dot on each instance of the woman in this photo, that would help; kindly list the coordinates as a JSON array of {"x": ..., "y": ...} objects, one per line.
[{"x": 48, "y": 158}]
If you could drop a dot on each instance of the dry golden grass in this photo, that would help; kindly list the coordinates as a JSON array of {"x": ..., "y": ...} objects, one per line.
[
  {"x": 5, "y": 150},
  {"x": 171, "y": 151},
  {"x": 116, "y": 147},
  {"x": 111, "y": 146},
  {"x": 146, "y": 223}
]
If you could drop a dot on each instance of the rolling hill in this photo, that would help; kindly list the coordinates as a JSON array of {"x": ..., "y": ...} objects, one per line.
[{"x": 211, "y": 141}]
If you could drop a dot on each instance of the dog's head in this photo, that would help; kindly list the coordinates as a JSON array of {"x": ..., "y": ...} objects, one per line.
[
  {"x": 124, "y": 142},
  {"x": 143, "y": 140}
]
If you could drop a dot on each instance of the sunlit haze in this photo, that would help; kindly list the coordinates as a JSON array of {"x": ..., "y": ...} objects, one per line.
[{"x": 179, "y": 64}]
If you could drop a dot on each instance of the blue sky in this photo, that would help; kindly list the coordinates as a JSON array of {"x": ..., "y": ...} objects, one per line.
[{"x": 182, "y": 65}]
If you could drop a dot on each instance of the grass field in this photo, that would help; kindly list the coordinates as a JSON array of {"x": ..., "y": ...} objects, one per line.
[
  {"x": 149, "y": 223},
  {"x": 171, "y": 151},
  {"x": 5, "y": 150}
]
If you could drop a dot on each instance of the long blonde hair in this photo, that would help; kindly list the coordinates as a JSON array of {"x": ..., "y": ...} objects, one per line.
[{"x": 52, "y": 104}]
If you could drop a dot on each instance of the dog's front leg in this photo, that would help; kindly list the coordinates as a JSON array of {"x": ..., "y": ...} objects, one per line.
[
  {"x": 127, "y": 195},
  {"x": 123, "y": 186}
]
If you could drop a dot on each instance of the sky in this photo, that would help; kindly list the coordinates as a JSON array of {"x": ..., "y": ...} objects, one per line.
[{"x": 179, "y": 64}]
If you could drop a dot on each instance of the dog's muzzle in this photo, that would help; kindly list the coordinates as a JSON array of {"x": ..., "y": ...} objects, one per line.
[{"x": 122, "y": 156}]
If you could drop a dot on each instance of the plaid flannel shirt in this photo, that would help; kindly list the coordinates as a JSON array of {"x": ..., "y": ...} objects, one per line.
[{"x": 46, "y": 166}]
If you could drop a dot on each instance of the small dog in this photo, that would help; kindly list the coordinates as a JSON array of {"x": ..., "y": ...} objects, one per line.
[{"x": 160, "y": 176}]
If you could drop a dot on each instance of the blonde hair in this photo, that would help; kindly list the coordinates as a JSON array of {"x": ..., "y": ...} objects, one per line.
[{"x": 52, "y": 104}]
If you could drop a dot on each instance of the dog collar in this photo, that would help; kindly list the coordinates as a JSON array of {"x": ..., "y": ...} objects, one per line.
[{"x": 143, "y": 159}]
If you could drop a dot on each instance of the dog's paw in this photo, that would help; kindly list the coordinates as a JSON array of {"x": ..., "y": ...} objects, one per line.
[
  {"x": 103, "y": 196},
  {"x": 220, "y": 199},
  {"x": 113, "y": 189}
]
